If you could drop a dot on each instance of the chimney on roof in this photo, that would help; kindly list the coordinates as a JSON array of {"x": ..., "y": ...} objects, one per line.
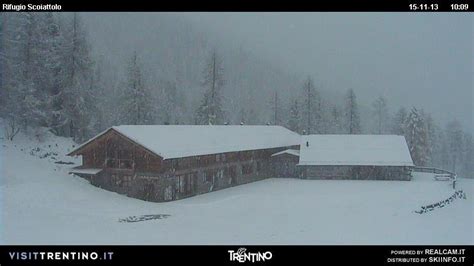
[{"x": 307, "y": 143}]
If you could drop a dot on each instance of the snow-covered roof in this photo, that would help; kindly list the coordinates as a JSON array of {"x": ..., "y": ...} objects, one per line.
[
  {"x": 289, "y": 151},
  {"x": 379, "y": 150},
  {"x": 176, "y": 141}
]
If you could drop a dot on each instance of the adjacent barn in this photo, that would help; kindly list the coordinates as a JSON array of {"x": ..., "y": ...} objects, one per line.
[
  {"x": 169, "y": 162},
  {"x": 384, "y": 157}
]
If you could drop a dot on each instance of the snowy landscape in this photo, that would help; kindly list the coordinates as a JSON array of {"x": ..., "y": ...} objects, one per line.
[
  {"x": 154, "y": 78},
  {"x": 42, "y": 204}
]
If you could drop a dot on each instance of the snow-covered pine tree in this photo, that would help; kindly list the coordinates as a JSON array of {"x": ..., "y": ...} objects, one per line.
[
  {"x": 9, "y": 53},
  {"x": 308, "y": 92},
  {"x": 136, "y": 99},
  {"x": 79, "y": 102},
  {"x": 417, "y": 137},
  {"x": 295, "y": 119},
  {"x": 53, "y": 73},
  {"x": 31, "y": 47},
  {"x": 311, "y": 111},
  {"x": 3, "y": 62},
  {"x": 318, "y": 113},
  {"x": 431, "y": 136},
  {"x": 168, "y": 96},
  {"x": 380, "y": 114},
  {"x": 21, "y": 92},
  {"x": 398, "y": 122},
  {"x": 99, "y": 86},
  {"x": 109, "y": 84},
  {"x": 26, "y": 90},
  {"x": 335, "y": 124},
  {"x": 44, "y": 73},
  {"x": 210, "y": 111},
  {"x": 352, "y": 116},
  {"x": 10, "y": 62}
]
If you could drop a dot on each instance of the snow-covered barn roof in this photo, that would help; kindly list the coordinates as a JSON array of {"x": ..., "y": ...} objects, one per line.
[
  {"x": 378, "y": 150},
  {"x": 176, "y": 141}
]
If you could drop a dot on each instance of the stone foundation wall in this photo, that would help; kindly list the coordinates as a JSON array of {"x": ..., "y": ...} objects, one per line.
[{"x": 356, "y": 172}]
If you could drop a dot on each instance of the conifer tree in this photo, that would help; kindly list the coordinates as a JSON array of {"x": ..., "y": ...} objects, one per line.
[
  {"x": 136, "y": 98},
  {"x": 416, "y": 137},
  {"x": 295, "y": 119},
  {"x": 352, "y": 113},
  {"x": 210, "y": 111}
]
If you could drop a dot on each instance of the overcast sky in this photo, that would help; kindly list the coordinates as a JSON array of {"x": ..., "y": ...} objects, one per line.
[{"x": 422, "y": 59}]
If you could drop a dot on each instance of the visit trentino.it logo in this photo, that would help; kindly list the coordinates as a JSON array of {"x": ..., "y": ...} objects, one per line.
[{"x": 241, "y": 256}]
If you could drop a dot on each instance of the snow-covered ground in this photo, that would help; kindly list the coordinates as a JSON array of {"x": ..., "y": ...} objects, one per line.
[{"x": 41, "y": 204}]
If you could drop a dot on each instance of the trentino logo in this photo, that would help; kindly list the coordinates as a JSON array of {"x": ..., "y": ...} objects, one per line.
[{"x": 242, "y": 256}]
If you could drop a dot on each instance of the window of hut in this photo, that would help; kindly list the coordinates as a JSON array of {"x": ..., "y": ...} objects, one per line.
[
  {"x": 189, "y": 183},
  {"x": 182, "y": 183},
  {"x": 176, "y": 184}
]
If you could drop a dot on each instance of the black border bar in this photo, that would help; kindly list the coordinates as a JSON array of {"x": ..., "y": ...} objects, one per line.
[
  {"x": 221, "y": 255},
  {"x": 251, "y": 6}
]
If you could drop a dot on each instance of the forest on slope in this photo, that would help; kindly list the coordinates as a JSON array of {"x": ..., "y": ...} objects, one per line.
[{"x": 77, "y": 76}]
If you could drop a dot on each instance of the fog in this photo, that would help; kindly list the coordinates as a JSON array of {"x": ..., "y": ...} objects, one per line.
[
  {"x": 422, "y": 60},
  {"x": 412, "y": 59}
]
